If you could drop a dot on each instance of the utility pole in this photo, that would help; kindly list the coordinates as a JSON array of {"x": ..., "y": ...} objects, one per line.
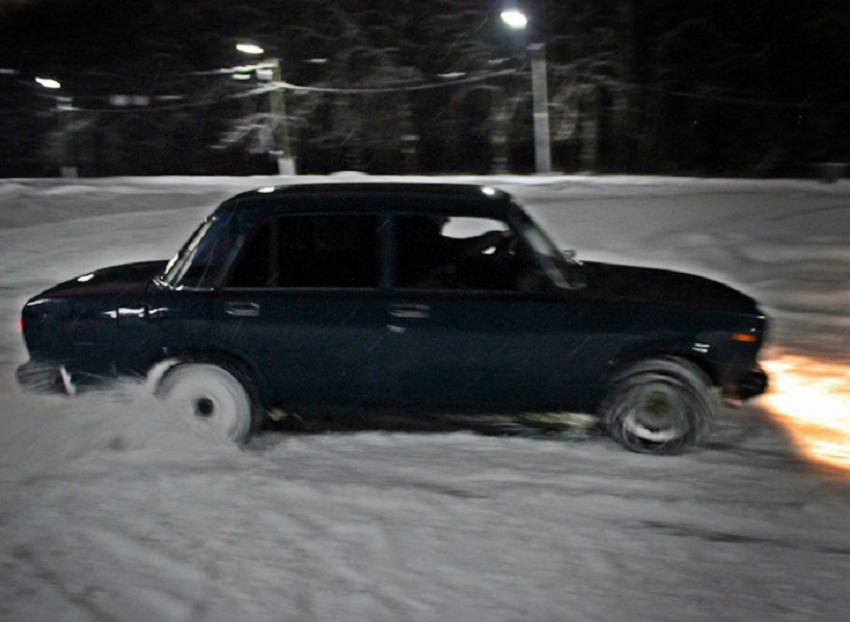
[
  {"x": 277, "y": 111},
  {"x": 540, "y": 95},
  {"x": 517, "y": 20},
  {"x": 65, "y": 110},
  {"x": 280, "y": 124}
]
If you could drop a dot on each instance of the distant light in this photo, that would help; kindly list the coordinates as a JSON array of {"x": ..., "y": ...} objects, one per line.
[
  {"x": 249, "y": 48},
  {"x": 48, "y": 83},
  {"x": 514, "y": 18},
  {"x": 316, "y": 61},
  {"x": 452, "y": 75},
  {"x": 129, "y": 100}
]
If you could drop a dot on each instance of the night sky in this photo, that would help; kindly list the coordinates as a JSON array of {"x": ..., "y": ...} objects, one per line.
[{"x": 711, "y": 66}]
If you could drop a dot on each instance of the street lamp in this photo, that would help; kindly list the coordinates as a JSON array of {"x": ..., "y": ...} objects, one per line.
[
  {"x": 48, "y": 83},
  {"x": 249, "y": 48},
  {"x": 65, "y": 108},
  {"x": 277, "y": 107},
  {"x": 516, "y": 19}
]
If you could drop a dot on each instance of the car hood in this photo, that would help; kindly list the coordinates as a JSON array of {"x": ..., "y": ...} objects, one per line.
[
  {"x": 107, "y": 281},
  {"x": 667, "y": 287}
]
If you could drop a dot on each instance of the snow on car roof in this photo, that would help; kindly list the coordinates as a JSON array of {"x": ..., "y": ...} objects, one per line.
[{"x": 431, "y": 197}]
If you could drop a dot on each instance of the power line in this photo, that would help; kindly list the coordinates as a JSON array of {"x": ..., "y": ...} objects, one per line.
[{"x": 287, "y": 86}]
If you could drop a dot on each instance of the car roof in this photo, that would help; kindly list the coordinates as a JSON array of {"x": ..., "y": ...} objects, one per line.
[{"x": 418, "y": 197}]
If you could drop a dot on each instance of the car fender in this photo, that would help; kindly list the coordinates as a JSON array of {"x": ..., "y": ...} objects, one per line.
[
  {"x": 232, "y": 361},
  {"x": 660, "y": 350}
]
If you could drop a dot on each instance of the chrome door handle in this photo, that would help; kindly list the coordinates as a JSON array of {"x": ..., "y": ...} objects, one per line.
[
  {"x": 242, "y": 309},
  {"x": 410, "y": 311}
]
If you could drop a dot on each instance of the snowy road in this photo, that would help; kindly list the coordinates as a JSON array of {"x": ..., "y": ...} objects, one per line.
[{"x": 112, "y": 510}]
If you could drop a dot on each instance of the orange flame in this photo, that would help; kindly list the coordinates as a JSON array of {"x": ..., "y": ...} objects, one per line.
[{"x": 810, "y": 398}]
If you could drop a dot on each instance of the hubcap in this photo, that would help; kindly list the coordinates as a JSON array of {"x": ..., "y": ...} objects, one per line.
[
  {"x": 204, "y": 407},
  {"x": 657, "y": 415}
]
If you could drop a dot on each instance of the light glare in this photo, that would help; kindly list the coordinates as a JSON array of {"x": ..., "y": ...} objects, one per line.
[
  {"x": 249, "y": 48},
  {"x": 48, "y": 83},
  {"x": 514, "y": 18}
]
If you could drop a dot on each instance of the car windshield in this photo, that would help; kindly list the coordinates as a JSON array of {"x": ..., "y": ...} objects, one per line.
[
  {"x": 201, "y": 260},
  {"x": 560, "y": 267}
]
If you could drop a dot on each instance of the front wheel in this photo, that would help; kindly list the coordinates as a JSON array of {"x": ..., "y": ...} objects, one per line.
[
  {"x": 211, "y": 393},
  {"x": 659, "y": 406}
]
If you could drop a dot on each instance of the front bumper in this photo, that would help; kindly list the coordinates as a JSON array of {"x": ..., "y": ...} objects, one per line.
[{"x": 752, "y": 382}]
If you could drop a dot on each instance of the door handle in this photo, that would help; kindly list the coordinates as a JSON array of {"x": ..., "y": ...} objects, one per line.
[
  {"x": 410, "y": 311},
  {"x": 241, "y": 309}
]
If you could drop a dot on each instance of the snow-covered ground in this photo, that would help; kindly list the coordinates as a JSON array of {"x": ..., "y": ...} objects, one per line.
[{"x": 113, "y": 509}]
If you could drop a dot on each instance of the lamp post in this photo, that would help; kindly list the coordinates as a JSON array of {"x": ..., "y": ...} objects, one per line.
[
  {"x": 539, "y": 93},
  {"x": 277, "y": 108},
  {"x": 65, "y": 108}
]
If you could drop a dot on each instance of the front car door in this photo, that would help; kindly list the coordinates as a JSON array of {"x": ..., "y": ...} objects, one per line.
[{"x": 474, "y": 323}]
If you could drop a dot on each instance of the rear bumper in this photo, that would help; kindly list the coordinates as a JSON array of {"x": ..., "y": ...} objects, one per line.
[{"x": 43, "y": 378}]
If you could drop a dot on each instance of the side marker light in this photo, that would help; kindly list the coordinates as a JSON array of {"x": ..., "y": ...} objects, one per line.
[{"x": 744, "y": 337}]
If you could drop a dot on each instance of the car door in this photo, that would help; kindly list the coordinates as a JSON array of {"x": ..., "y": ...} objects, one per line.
[
  {"x": 301, "y": 303},
  {"x": 482, "y": 332}
]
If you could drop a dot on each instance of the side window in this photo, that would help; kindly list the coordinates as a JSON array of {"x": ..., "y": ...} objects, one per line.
[
  {"x": 309, "y": 251},
  {"x": 456, "y": 253}
]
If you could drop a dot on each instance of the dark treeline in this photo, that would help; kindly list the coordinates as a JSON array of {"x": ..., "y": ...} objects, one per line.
[{"x": 706, "y": 87}]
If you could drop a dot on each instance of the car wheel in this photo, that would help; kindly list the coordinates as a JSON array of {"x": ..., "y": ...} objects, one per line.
[
  {"x": 659, "y": 406},
  {"x": 214, "y": 394}
]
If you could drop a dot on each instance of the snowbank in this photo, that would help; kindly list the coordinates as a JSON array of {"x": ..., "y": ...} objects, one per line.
[{"x": 111, "y": 508}]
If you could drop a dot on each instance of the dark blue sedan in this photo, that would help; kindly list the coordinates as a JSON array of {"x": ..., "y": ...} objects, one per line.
[{"x": 420, "y": 298}]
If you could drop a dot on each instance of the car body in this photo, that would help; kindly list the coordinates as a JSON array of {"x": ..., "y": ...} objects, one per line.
[{"x": 419, "y": 297}]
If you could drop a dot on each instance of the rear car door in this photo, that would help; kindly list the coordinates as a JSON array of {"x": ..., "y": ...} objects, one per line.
[{"x": 302, "y": 304}]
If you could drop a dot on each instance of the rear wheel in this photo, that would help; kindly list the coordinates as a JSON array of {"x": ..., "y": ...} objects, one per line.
[
  {"x": 659, "y": 406},
  {"x": 212, "y": 393}
]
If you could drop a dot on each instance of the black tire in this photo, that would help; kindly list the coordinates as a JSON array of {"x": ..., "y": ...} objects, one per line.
[
  {"x": 659, "y": 406},
  {"x": 214, "y": 393}
]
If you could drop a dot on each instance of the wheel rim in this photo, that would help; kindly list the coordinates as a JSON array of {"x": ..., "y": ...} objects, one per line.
[
  {"x": 657, "y": 414},
  {"x": 211, "y": 394}
]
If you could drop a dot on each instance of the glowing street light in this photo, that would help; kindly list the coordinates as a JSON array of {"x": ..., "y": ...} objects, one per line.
[
  {"x": 516, "y": 19},
  {"x": 48, "y": 83},
  {"x": 249, "y": 48}
]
